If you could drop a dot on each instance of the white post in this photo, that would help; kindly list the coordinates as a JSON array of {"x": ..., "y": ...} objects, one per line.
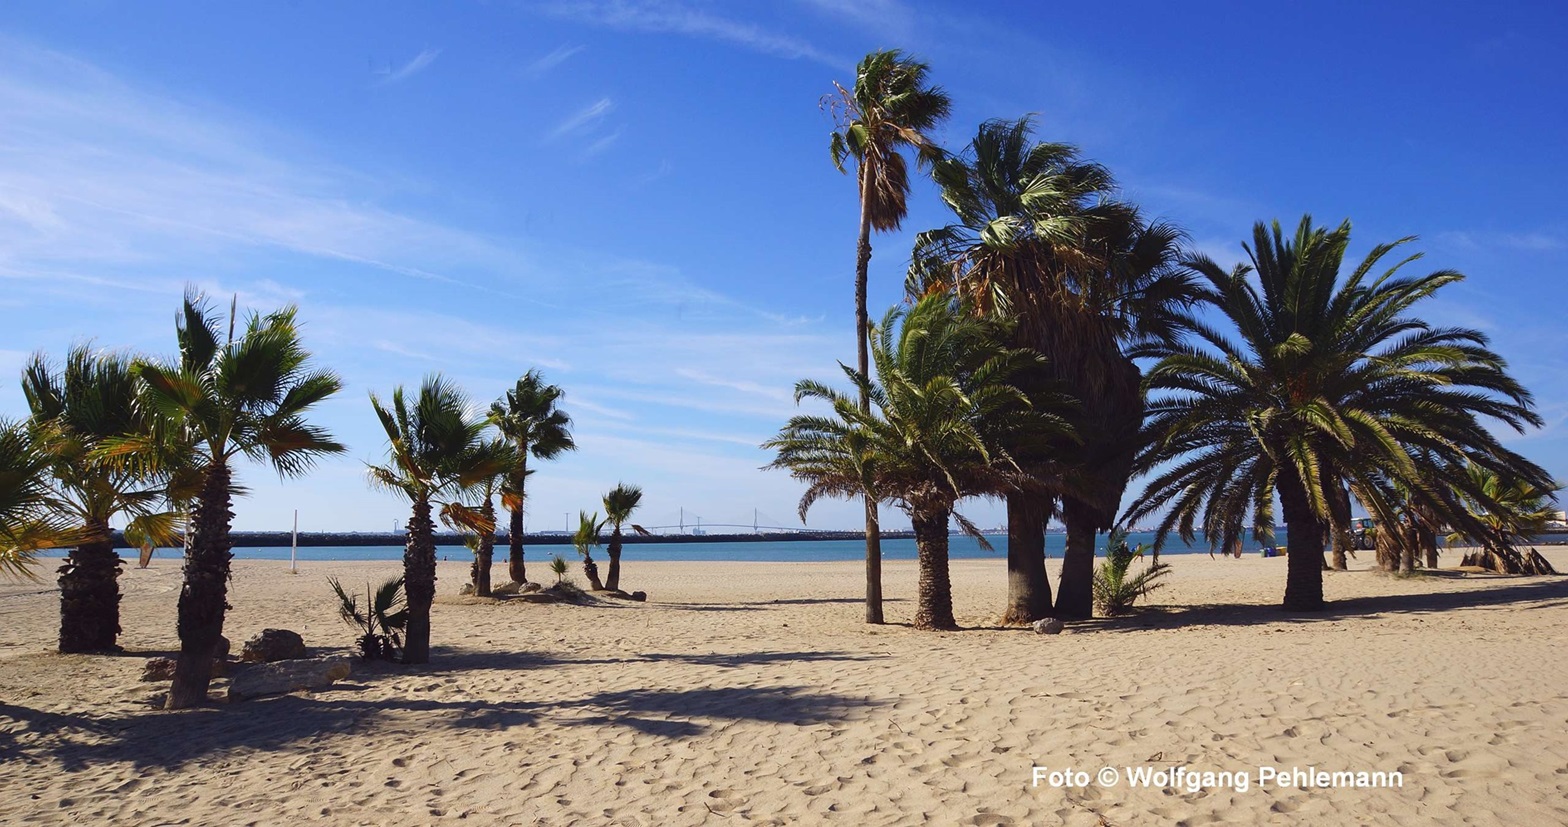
[{"x": 294, "y": 547}]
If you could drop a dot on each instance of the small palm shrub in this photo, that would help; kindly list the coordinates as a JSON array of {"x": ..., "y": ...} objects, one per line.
[
  {"x": 1116, "y": 590},
  {"x": 382, "y": 622},
  {"x": 559, "y": 565}
]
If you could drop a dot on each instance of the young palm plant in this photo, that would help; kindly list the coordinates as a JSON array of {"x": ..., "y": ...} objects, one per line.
[
  {"x": 619, "y": 503},
  {"x": 381, "y": 622},
  {"x": 1327, "y": 382},
  {"x": 942, "y": 413},
  {"x": 892, "y": 108},
  {"x": 73, "y": 411},
  {"x": 224, "y": 397},
  {"x": 585, "y": 539},
  {"x": 528, "y": 418},
  {"x": 1041, "y": 239},
  {"x": 436, "y": 451},
  {"x": 1115, "y": 590}
]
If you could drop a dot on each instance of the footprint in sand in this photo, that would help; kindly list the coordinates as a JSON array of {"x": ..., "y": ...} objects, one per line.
[{"x": 989, "y": 820}]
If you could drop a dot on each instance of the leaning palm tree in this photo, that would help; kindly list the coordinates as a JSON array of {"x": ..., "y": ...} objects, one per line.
[
  {"x": 942, "y": 410},
  {"x": 1326, "y": 382},
  {"x": 483, "y": 516},
  {"x": 619, "y": 503},
  {"x": 529, "y": 419},
  {"x": 225, "y": 396},
  {"x": 29, "y": 518},
  {"x": 586, "y": 537},
  {"x": 1041, "y": 239},
  {"x": 74, "y": 410},
  {"x": 436, "y": 451},
  {"x": 892, "y": 107}
]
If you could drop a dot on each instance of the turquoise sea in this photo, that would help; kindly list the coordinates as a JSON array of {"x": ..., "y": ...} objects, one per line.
[{"x": 803, "y": 551}]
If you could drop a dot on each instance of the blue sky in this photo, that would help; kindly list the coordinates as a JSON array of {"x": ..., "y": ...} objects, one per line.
[{"x": 636, "y": 197}]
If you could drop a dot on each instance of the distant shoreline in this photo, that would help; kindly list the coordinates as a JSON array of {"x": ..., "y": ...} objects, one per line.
[{"x": 316, "y": 539}]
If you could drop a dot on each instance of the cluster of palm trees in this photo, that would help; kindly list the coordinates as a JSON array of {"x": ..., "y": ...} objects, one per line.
[
  {"x": 153, "y": 442},
  {"x": 1058, "y": 343},
  {"x": 443, "y": 454}
]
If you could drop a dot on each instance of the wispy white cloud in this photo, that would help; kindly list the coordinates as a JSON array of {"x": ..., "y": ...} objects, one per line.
[
  {"x": 672, "y": 17},
  {"x": 601, "y": 144},
  {"x": 664, "y": 168},
  {"x": 414, "y": 66},
  {"x": 586, "y": 118},
  {"x": 890, "y": 18},
  {"x": 541, "y": 67},
  {"x": 113, "y": 197}
]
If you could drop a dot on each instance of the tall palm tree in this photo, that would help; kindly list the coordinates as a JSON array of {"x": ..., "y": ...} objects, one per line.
[
  {"x": 224, "y": 397},
  {"x": 1327, "y": 381},
  {"x": 93, "y": 398},
  {"x": 529, "y": 419},
  {"x": 892, "y": 108},
  {"x": 619, "y": 503},
  {"x": 436, "y": 451},
  {"x": 29, "y": 520},
  {"x": 940, "y": 422},
  {"x": 1041, "y": 239}
]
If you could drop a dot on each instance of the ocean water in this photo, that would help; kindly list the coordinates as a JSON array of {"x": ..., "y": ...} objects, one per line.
[{"x": 802, "y": 551}]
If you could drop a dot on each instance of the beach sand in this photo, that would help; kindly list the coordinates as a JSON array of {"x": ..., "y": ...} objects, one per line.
[{"x": 751, "y": 693}]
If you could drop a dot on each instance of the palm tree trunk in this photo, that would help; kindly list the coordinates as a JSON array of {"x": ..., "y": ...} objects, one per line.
[
  {"x": 612, "y": 581},
  {"x": 486, "y": 554},
  {"x": 1428, "y": 539},
  {"x": 1341, "y": 528},
  {"x": 873, "y": 563},
  {"x": 1028, "y": 588},
  {"x": 514, "y": 543},
  {"x": 419, "y": 581},
  {"x": 1407, "y": 550},
  {"x": 204, "y": 597},
  {"x": 90, "y": 594},
  {"x": 591, "y": 570},
  {"x": 1075, "y": 595},
  {"x": 935, "y": 609},
  {"x": 1303, "y": 546},
  {"x": 863, "y": 360}
]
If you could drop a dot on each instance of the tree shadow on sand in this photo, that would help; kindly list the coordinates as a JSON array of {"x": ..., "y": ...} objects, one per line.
[
  {"x": 150, "y": 738},
  {"x": 1544, "y": 592}
]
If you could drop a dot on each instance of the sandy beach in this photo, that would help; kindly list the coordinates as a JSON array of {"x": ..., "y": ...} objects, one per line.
[{"x": 750, "y": 693}]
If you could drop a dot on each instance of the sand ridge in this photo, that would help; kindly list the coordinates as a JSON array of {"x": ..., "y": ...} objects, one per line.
[{"x": 750, "y": 693}]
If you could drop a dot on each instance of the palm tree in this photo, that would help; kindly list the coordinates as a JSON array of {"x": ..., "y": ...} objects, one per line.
[
  {"x": 74, "y": 410},
  {"x": 436, "y": 451},
  {"x": 29, "y": 520},
  {"x": 529, "y": 419},
  {"x": 1330, "y": 382},
  {"x": 1508, "y": 509},
  {"x": 619, "y": 503},
  {"x": 892, "y": 107},
  {"x": 225, "y": 397},
  {"x": 942, "y": 413},
  {"x": 586, "y": 537},
  {"x": 1040, "y": 239},
  {"x": 484, "y": 515}
]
